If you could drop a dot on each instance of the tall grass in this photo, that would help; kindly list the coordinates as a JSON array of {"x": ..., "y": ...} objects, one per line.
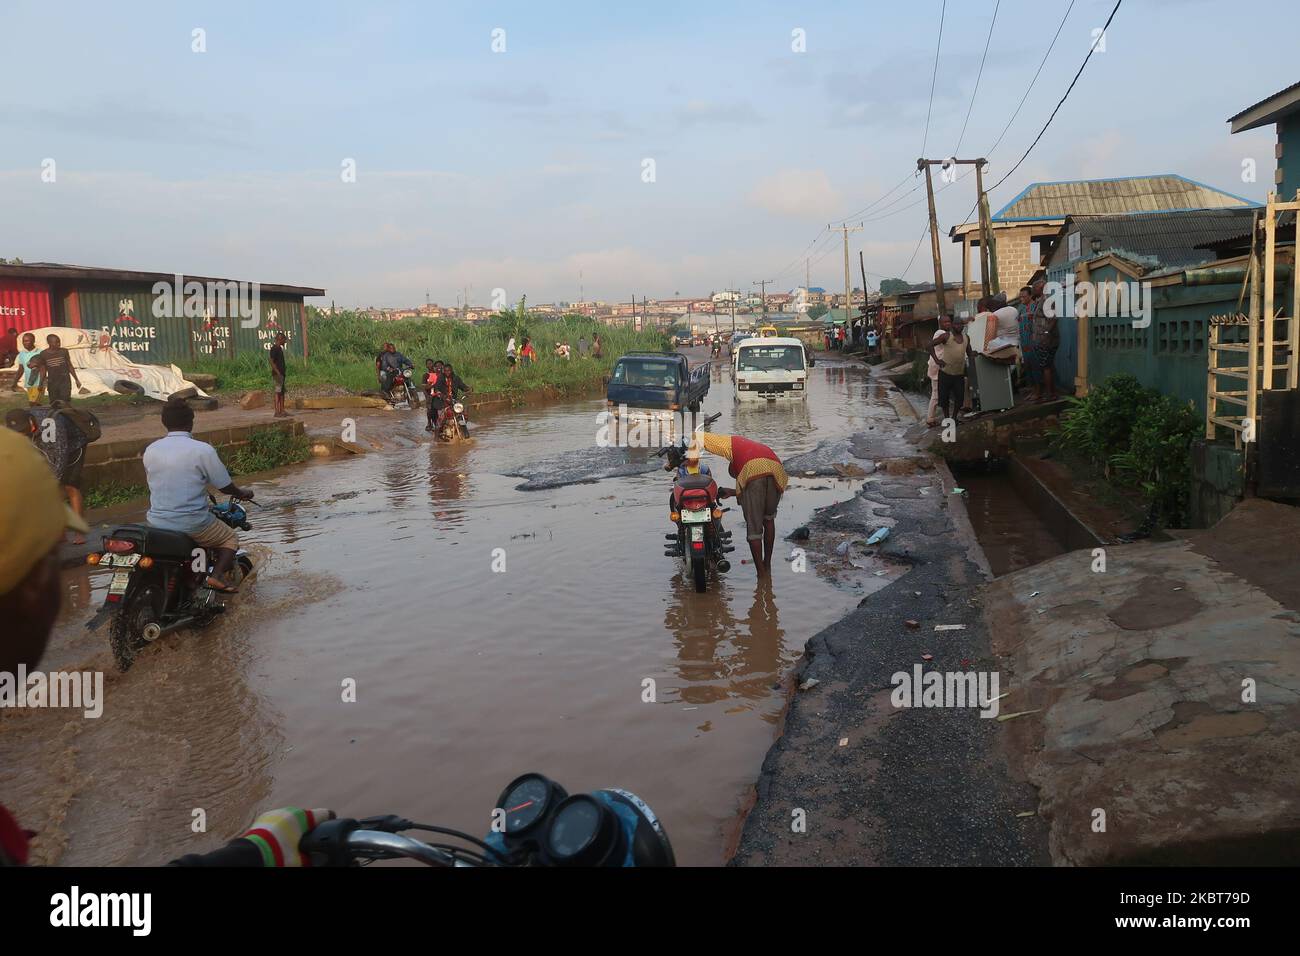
[{"x": 342, "y": 352}]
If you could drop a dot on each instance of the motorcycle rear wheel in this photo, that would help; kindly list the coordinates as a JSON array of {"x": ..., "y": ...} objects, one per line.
[
  {"x": 126, "y": 635},
  {"x": 699, "y": 573}
]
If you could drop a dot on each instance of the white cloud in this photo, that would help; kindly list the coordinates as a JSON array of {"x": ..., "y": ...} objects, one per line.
[{"x": 798, "y": 194}]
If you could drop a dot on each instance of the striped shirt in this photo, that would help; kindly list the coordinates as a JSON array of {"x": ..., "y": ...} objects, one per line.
[{"x": 749, "y": 459}]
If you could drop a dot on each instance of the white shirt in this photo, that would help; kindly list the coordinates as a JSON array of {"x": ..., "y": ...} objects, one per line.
[
  {"x": 510, "y": 346},
  {"x": 932, "y": 370},
  {"x": 179, "y": 469}
]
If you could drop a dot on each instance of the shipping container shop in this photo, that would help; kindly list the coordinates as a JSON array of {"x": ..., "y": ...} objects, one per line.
[{"x": 156, "y": 318}]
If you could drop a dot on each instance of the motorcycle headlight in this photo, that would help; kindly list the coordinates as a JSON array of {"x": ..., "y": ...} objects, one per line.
[{"x": 458, "y": 408}]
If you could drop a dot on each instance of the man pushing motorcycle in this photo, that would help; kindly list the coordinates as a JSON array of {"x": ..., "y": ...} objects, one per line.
[{"x": 760, "y": 482}]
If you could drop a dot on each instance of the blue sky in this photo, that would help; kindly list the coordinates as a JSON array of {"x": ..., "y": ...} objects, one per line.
[{"x": 522, "y": 170}]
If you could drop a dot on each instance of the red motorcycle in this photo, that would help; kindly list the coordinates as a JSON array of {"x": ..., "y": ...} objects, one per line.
[{"x": 700, "y": 540}]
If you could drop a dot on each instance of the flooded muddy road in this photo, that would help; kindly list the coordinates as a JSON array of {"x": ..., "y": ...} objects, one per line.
[{"x": 380, "y": 570}]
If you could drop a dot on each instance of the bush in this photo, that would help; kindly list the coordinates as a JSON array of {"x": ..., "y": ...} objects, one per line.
[
  {"x": 1140, "y": 438},
  {"x": 1159, "y": 458},
  {"x": 1099, "y": 425}
]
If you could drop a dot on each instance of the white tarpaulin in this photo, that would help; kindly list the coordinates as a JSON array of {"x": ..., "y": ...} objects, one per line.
[{"x": 105, "y": 371}]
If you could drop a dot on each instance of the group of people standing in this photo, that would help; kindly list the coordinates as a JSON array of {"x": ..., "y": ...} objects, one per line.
[
  {"x": 526, "y": 354},
  {"x": 1024, "y": 330},
  {"x": 48, "y": 370}
]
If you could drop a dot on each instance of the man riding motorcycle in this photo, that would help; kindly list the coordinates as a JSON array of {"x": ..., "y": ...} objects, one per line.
[
  {"x": 388, "y": 365},
  {"x": 452, "y": 388},
  {"x": 179, "y": 470},
  {"x": 433, "y": 389}
]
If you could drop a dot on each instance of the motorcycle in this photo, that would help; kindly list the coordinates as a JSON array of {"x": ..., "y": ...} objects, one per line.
[
  {"x": 700, "y": 540},
  {"x": 454, "y": 425},
  {"x": 405, "y": 391},
  {"x": 158, "y": 584},
  {"x": 716, "y": 350},
  {"x": 535, "y": 823}
]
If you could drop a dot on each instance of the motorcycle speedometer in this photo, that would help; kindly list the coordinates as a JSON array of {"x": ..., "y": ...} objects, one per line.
[
  {"x": 585, "y": 832},
  {"x": 527, "y": 800}
]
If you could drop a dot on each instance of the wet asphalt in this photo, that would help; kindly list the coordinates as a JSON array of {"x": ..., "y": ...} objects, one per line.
[{"x": 854, "y": 780}]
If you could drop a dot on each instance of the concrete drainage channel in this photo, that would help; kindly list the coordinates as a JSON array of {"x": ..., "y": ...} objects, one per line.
[{"x": 1017, "y": 520}]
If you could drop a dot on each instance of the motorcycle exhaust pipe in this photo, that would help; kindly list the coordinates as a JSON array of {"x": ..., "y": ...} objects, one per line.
[{"x": 153, "y": 630}]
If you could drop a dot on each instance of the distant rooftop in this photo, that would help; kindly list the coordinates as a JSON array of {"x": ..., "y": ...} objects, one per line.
[{"x": 1167, "y": 192}]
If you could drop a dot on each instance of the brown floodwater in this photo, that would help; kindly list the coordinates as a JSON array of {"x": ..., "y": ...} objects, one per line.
[{"x": 378, "y": 570}]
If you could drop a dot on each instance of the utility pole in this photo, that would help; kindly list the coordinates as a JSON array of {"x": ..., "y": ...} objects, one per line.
[
  {"x": 988, "y": 251},
  {"x": 987, "y": 255},
  {"x": 848, "y": 291},
  {"x": 762, "y": 284},
  {"x": 733, "y": 309}
]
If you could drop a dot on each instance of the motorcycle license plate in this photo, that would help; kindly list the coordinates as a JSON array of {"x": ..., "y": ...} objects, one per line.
[
  {"x": 697, "y": 533},
  {"x": 120, "y": 580},
  {"x": 696, "y": 517},
  {"x": 120, "y": 560}
]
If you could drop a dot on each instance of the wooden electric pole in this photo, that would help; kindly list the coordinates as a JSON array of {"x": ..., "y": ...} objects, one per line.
[
  {"x": 762, "y": 284},
  {"x": 848, "y": 291},
  {"x": 988, "y": 260}
]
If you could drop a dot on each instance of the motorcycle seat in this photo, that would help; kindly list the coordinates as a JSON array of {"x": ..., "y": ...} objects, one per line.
[
  {"x": 159, "y": 542},
  {"x": 695, "y": 481}
]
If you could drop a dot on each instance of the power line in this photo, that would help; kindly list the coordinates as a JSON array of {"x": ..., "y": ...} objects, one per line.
[
  {"x": 978, "y": 76},
  {"x": 1091, "y": 49},
  {"x": 1026, "y": 153},
  {"x": 874, "y": 202},
  {"x": 1028, "y": 89},
  {"x": 934, "y": 76}
]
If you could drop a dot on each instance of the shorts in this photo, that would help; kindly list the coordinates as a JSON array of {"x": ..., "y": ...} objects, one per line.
[
  {"x": 279, "y": 384},
  {"x": 1046, "y": 357},
  {"x": 511, "y": 359},
  {"x": 70, "y": 476},
  {"x": 216, "y": 535},
  {"x": 758, "y": 501}
]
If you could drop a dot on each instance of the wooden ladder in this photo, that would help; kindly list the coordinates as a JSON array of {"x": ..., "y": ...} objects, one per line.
[{"x": 1270, "y": 355}]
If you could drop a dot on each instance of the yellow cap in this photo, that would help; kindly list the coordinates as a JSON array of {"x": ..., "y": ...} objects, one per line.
[{"x": 33, "y": 515}]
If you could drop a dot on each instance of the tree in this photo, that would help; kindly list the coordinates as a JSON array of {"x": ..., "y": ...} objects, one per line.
[
  {"x": 893, "y": 286},
  {"x": 816, "y": 312}
]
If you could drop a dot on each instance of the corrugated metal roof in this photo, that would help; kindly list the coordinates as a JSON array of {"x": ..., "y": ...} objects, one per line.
[
  {"x": 1270, "y": 107},
  {"x": 56, "y": 271},
  {"x": 1100, "y": 197},
  {"x": 1154, "y": 240}
]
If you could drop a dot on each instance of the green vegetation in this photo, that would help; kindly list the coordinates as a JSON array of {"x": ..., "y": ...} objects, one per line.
[
  {"x": 342, "y": 351},
  {"x": 105, "y": 496},
  {"x": 1140, "y": 438},
  {"x": 816, "y": 312},
  {"x": 266, "y": 448},
  {"x": 917, "y": 378}
]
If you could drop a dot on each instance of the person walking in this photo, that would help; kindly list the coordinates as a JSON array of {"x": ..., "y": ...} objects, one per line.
[
  {"x": 512, "y": 355},
  {"x": 29, "y": 376},
  {"x": 57, "y": 371}
]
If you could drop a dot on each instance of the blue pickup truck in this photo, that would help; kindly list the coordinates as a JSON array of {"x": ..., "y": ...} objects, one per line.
[{"x": 657, "y": 380}]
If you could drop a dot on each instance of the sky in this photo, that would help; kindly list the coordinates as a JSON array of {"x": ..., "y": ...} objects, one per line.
[{"x": 391, "y": 151}]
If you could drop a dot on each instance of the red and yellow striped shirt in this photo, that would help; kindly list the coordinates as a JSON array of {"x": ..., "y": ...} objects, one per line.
[{"x": 749, "y": 459}]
